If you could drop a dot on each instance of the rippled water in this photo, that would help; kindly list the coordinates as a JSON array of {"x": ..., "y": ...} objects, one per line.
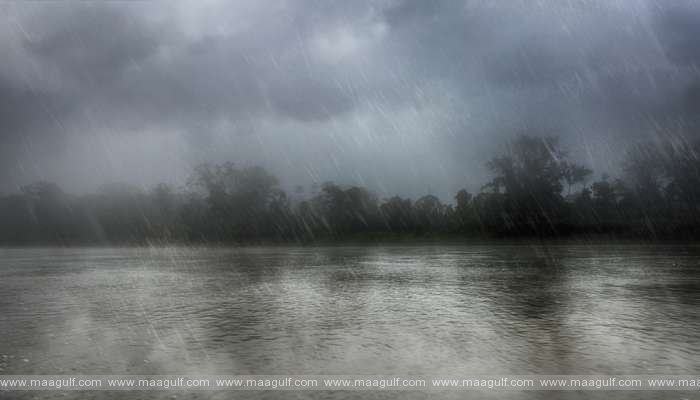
[{"x": 416, "y": 310}]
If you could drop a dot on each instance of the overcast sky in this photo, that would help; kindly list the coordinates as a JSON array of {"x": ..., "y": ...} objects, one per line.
[{"x": 407, "y": 97}]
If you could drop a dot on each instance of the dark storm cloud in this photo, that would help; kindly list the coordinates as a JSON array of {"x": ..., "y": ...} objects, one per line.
[
  {"x": 678, "y": 24},
  {"x": 91, "y": 43},
  {"x": 17, "y": 110},
  {"x": 109, "y": 55},
  {"x": 69, "y": 54},
  {"x": 141, "y": 72},
  {"x": 346, "y": 90},
  {"x": 25, "y": 109},
  {"x": 407, "y": 11}
]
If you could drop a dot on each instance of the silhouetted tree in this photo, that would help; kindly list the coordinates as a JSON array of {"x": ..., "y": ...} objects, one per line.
[
  {"x": 398, "y": 214},
  {"x": 530, "y": 175},
  {"x": 430, "y": 214},
  {"x": 464, "y": 216},
  {"x": 345, "y": 211},
  {"x": 658, "y": 194},
  {"x": 238, "y": 198},
  {"x": 575, "y": 174}
]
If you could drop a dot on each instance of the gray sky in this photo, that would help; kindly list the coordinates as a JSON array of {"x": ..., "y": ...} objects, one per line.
[{"x": 405, "y": 97}]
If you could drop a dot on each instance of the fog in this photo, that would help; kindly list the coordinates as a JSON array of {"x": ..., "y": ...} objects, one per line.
[{"x": 403, "y": 97}]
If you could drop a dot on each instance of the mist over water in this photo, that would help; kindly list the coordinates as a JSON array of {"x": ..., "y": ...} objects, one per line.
[{"x": 396, "y": 310}]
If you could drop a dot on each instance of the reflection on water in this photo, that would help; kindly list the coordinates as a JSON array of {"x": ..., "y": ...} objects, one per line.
[{"x": 421, "y": 310}]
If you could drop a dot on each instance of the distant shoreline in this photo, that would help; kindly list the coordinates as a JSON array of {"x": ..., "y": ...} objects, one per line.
[{"x": 448, "y": 240}]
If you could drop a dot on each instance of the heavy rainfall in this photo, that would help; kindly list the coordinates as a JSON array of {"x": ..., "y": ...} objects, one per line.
[{"x": 349, "y": 187}]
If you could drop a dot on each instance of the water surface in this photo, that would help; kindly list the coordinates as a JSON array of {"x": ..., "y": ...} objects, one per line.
[{"x": 396, "y": 310}]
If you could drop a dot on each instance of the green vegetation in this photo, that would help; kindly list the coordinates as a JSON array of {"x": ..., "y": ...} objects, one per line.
[{"x": 536, "y": 191}]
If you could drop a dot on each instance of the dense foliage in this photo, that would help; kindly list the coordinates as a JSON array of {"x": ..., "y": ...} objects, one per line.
[{"x": 536, "y": 190}]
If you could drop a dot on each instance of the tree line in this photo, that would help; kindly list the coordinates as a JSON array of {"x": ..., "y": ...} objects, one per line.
[{"x": 536, "y": 190}]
